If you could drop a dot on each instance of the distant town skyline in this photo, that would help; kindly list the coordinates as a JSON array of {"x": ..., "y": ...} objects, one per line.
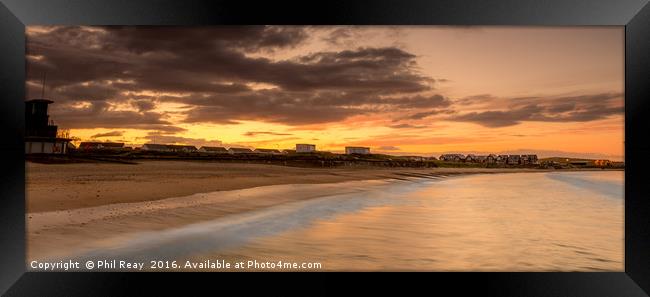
[{"x": 403, "y": 90}]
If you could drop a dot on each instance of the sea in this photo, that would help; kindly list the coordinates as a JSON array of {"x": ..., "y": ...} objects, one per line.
[{"x": 541, "y": 221}]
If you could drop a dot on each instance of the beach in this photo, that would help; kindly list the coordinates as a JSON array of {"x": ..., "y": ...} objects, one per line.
[
  {"x": 84, "y": 209},
  {"x": 77, "y": 205}
]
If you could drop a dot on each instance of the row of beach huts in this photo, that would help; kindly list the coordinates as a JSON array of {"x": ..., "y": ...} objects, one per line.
[
  {"x": 303, "y": 148},
  {"x": 175, "y": 148}
]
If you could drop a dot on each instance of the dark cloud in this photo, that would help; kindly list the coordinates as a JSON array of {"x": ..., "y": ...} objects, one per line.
[
  {"x": 299, "y": 107},
  {"x": 292, "y": 115},
  {"x": 100, "y": 115},
  {"x": 143, "y": 105},
  {"x": 406, "y": 126},
  {"x": 170, "y": 139},
  {"x": 223, "y": 74},
  {"x": 212, "y": 70},
  {"x": 555, "y": 109},
  {"x": 342, "y": 36},
  {"x": 428, "y": 113},
  {"x": 148, "y": 39},
  {"x": 494, "y": 119},
  {"x": 108, "y": 134},
  {"x": 481, "y": 98},
  {"x": 255, "y": 133}
]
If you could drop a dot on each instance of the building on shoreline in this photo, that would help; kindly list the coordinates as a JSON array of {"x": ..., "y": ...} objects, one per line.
[
  {"x": 305, "y": 148},
  {"x": 239, "y": 150},
  {"x": 492, "y": 159},
  {"x": 182, "y": 148},
  {"x": 92, "y": 146},
  {"x": 529, "y": 159},
  {"x": 41, "y": 135},
  {"x": 173, "y": 148},
  {"x": 155, "y": 147},
  {"x": 213, "y": 150},
  {"x": 513, "y": 159},
  {"x": 349, "y": 150},
  {"x": 452, "y": 157},
  {"x": 267, "y": 151}
]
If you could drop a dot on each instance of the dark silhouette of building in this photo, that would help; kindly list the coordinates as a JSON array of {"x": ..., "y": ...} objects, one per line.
[{"x": 40, "y": 132}]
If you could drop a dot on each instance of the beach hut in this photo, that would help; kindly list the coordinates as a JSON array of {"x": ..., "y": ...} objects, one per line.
[
  {"x": 239, "y": 150},
  {"x": 305, "y": 148},
  {"x": 91, "y": 146},
  {"x": 349, "y": 150},
  {"x": 182, "y": 148},
  {"x": 155, "y": 147},
  {"x": 267, "y": 151},
  {"x": 213, "y": 150}
]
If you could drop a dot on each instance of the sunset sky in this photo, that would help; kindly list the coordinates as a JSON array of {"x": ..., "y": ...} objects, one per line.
[{"x": 408, "y": 90}]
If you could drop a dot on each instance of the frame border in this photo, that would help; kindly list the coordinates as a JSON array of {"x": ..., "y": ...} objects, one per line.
[{"x": 633, "y": 14}]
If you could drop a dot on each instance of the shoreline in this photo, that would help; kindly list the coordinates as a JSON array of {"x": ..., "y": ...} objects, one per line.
[
  {"x": 51, "y": 187},
  {"x": 50, "y": 233},
  {"x": 55, "y": 233}
]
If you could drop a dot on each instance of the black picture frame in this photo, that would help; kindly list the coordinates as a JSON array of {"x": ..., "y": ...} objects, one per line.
[{"x": 633, "y": 14}]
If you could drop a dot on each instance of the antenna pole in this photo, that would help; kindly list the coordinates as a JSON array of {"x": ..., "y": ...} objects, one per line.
[{"x": 43, "y": 86}]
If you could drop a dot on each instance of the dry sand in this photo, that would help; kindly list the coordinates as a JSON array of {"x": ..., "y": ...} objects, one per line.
[{"x": 68, "y": 186}]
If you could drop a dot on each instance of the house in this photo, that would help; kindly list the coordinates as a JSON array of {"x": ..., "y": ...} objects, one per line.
[
  {"x": 349, "y": 150},
  {"x": 91, "y": 146},
  {"x": 267, "y": 151},
  {"x": 513, "y": 159},
  {"x": 491, "y": 159},
  {"x": 213, "y": 150},
  {"x": 305, "y": 148},
  {"x": 169, "y": 148},
  {"x": 155, "y": 147},
  {"x": 452, "y": 157},
  {"x": 41, "y": 135},
  {"x": 502, "y": 159},
  {"x": 481, "y": 159},
  {"x": 528, "y": 159},
  {"x": 533, "y": 159},
  {"x": 470, "y": 158},
  {"x": 182, "y": 148},
  {"x": 239, "y": 150}
]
